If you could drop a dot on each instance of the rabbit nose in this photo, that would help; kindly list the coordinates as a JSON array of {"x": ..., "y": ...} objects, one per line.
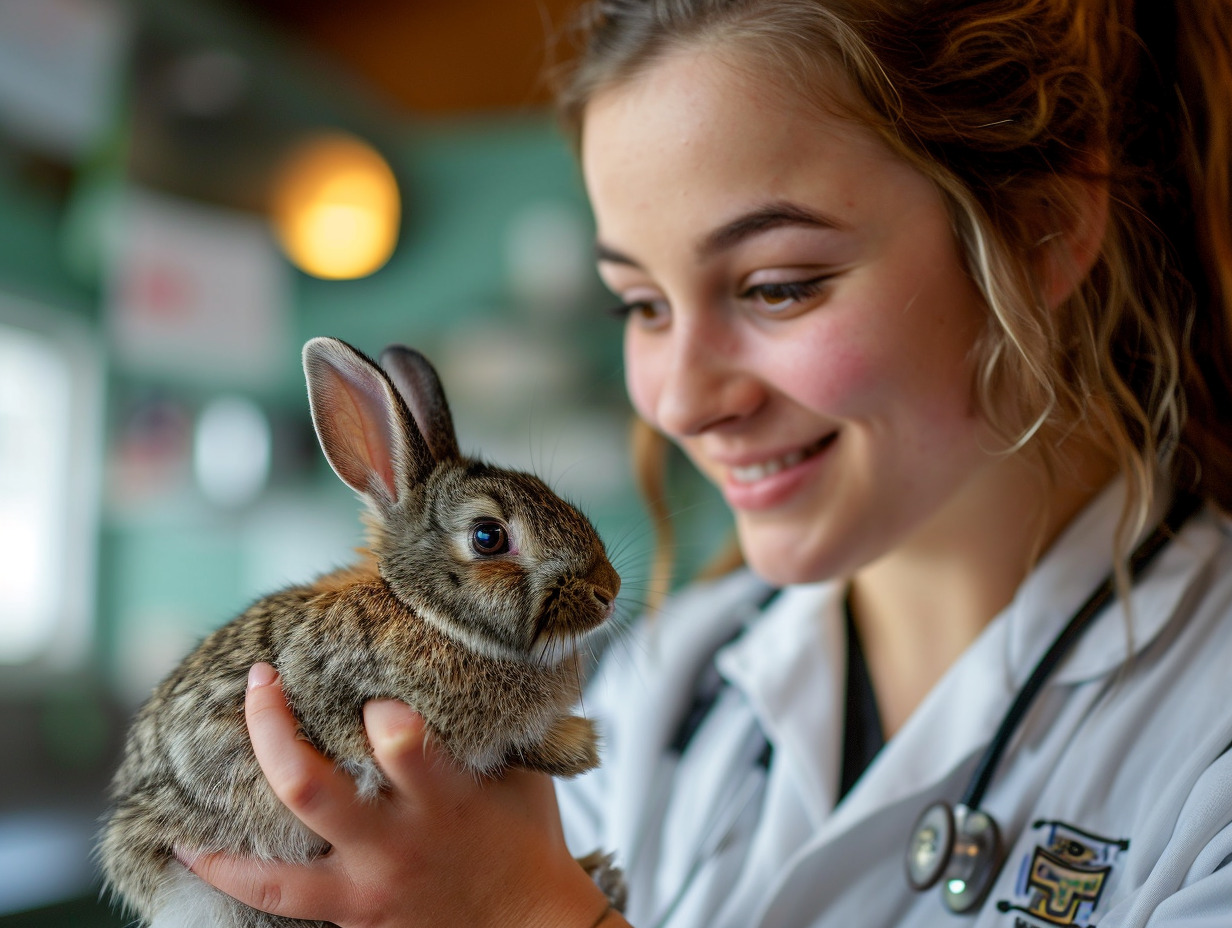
[
  {"x": 606, "y": 605},
  {"x": 604, "y": 583}
]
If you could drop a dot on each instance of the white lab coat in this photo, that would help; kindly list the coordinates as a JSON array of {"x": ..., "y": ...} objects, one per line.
[{"x": 1114, "y": 799}]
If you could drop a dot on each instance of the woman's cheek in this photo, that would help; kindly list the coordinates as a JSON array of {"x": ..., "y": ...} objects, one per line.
[
  {"x": 833, "y": 376},
  {"x": 642, "y": 379}
]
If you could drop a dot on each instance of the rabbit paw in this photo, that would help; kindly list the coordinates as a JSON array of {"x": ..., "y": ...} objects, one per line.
[
  {"x": 609, "y": 878},
  {"x": 571, "y": 747}
]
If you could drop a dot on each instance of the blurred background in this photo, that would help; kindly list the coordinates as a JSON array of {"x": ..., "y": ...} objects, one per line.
[{"x": 189, "y": 189}]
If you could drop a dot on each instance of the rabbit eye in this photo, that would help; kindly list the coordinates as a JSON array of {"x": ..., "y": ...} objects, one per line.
[{"x": 489, "y": 538}]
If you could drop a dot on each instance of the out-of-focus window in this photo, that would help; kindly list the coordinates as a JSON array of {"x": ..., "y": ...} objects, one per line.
[{"x": 50, "y": 435}]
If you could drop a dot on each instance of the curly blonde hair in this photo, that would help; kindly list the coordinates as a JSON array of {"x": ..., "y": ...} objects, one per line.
[{"x": 1011, "y": 107}]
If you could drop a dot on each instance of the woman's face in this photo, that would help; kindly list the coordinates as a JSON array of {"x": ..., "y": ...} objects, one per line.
[{"x": 799, "y": 319}]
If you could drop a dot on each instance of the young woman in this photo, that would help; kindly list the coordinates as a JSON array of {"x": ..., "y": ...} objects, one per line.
[{"x": 939, "y": 295}]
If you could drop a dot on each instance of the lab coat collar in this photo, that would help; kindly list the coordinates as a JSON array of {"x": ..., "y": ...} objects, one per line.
[
  {"x": 1076, "y": 564},
  {"x": 791, "y": 667}
]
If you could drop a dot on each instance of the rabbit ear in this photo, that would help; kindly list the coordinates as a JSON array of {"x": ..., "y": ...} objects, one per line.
[
  {"x": 421, "y": 389},
  {"x": 368, "y": 435}
]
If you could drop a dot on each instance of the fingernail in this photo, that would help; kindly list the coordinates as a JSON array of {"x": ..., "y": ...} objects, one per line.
[
  {"x": 261, "y": 675},
  {"x": 184, "y": 857}
]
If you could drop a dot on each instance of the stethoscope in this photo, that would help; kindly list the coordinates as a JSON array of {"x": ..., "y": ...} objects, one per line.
[{"x": 960, "y": 846}]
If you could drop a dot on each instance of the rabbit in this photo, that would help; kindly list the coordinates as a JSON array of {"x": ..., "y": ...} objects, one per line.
[{"x": 471, "y": 603}]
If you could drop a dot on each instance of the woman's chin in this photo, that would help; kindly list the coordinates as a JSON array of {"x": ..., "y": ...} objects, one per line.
[{"x": 783, "y": 564}]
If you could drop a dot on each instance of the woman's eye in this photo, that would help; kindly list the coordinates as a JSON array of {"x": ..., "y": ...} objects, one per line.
[
  {"x": 776, "y": 297},
  {"x": 489, "y": 537},
  {"x": 648, "y": 313}
]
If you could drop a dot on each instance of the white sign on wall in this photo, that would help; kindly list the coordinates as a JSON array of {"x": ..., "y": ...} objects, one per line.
[{"x": 197, "y": 292}]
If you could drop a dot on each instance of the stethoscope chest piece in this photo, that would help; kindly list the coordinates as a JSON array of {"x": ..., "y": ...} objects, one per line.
[{"x": 959, "y": 846}]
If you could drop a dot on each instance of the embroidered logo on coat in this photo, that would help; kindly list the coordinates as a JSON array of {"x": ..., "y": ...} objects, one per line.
[{"x": 1061, "y": 880}]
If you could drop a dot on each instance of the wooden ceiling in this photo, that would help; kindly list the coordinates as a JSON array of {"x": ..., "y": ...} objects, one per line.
[{"x": 433, "y": 56}]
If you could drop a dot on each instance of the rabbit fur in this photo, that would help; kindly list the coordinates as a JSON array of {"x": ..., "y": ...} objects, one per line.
[{"x": 476, "y": 591}]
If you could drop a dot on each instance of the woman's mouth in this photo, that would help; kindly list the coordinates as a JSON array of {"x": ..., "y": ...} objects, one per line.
[
  {"x": 775, "y": 481},
  {"x": 752, "y": 473}
]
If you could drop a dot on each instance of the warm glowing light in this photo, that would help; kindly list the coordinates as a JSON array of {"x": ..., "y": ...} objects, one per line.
[{"x": 336, "y": 208}]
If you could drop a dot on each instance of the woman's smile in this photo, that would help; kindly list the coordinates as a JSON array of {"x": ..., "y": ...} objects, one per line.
[
  {"x": 752, "y": 473},
  {"x": 771, "y": 480}
]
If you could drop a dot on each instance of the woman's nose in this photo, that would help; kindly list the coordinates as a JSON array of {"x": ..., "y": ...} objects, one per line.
[{"x": 704, "y": 384}]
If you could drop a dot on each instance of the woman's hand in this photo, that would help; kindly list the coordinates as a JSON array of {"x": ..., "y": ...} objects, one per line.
[{"x": 440, "y": 848}]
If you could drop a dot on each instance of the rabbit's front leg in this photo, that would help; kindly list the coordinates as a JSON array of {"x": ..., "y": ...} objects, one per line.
[
  {"x": 570, "y": 747},
  {"x": 607, "y": 876}
]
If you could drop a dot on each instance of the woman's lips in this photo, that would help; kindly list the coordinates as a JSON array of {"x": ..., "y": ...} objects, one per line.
[{"x": 769, "y": 482}]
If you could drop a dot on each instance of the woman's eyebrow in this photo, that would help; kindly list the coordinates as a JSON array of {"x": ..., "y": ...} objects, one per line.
[
  {"x": 730, "y": 234},
  {"x": 606, "y": 255},
  {"x": 762, "y": 219}
]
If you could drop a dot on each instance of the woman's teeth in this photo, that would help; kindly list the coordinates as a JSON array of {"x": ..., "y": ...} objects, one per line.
[{"x": 751, "y": 473}]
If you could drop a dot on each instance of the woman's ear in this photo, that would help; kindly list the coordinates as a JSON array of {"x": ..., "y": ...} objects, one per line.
[{"x": 1068, "y": 254}]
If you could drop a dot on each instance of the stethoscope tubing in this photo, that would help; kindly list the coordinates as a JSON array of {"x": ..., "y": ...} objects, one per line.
[
  {"x": 1181, "y": 509},
  {"x": 961, "y": 845}
]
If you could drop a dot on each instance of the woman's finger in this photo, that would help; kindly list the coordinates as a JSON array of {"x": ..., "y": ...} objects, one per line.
[
  {"x": 288, "y": 890},
  {"x": 405, "y": 752},
  {"x": 304, "y": 780}
]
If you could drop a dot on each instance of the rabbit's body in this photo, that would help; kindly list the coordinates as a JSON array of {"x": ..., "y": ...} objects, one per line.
[
  {"x": 482, "y": 645},
  {"x": 189, "y": 753}
]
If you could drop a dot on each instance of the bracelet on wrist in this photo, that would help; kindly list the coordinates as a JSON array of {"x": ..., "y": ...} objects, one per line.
[{"x": 603, "y": 916}]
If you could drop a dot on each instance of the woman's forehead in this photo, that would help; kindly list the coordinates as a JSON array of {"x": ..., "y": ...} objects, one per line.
[{"x": 701, "y": 134}]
